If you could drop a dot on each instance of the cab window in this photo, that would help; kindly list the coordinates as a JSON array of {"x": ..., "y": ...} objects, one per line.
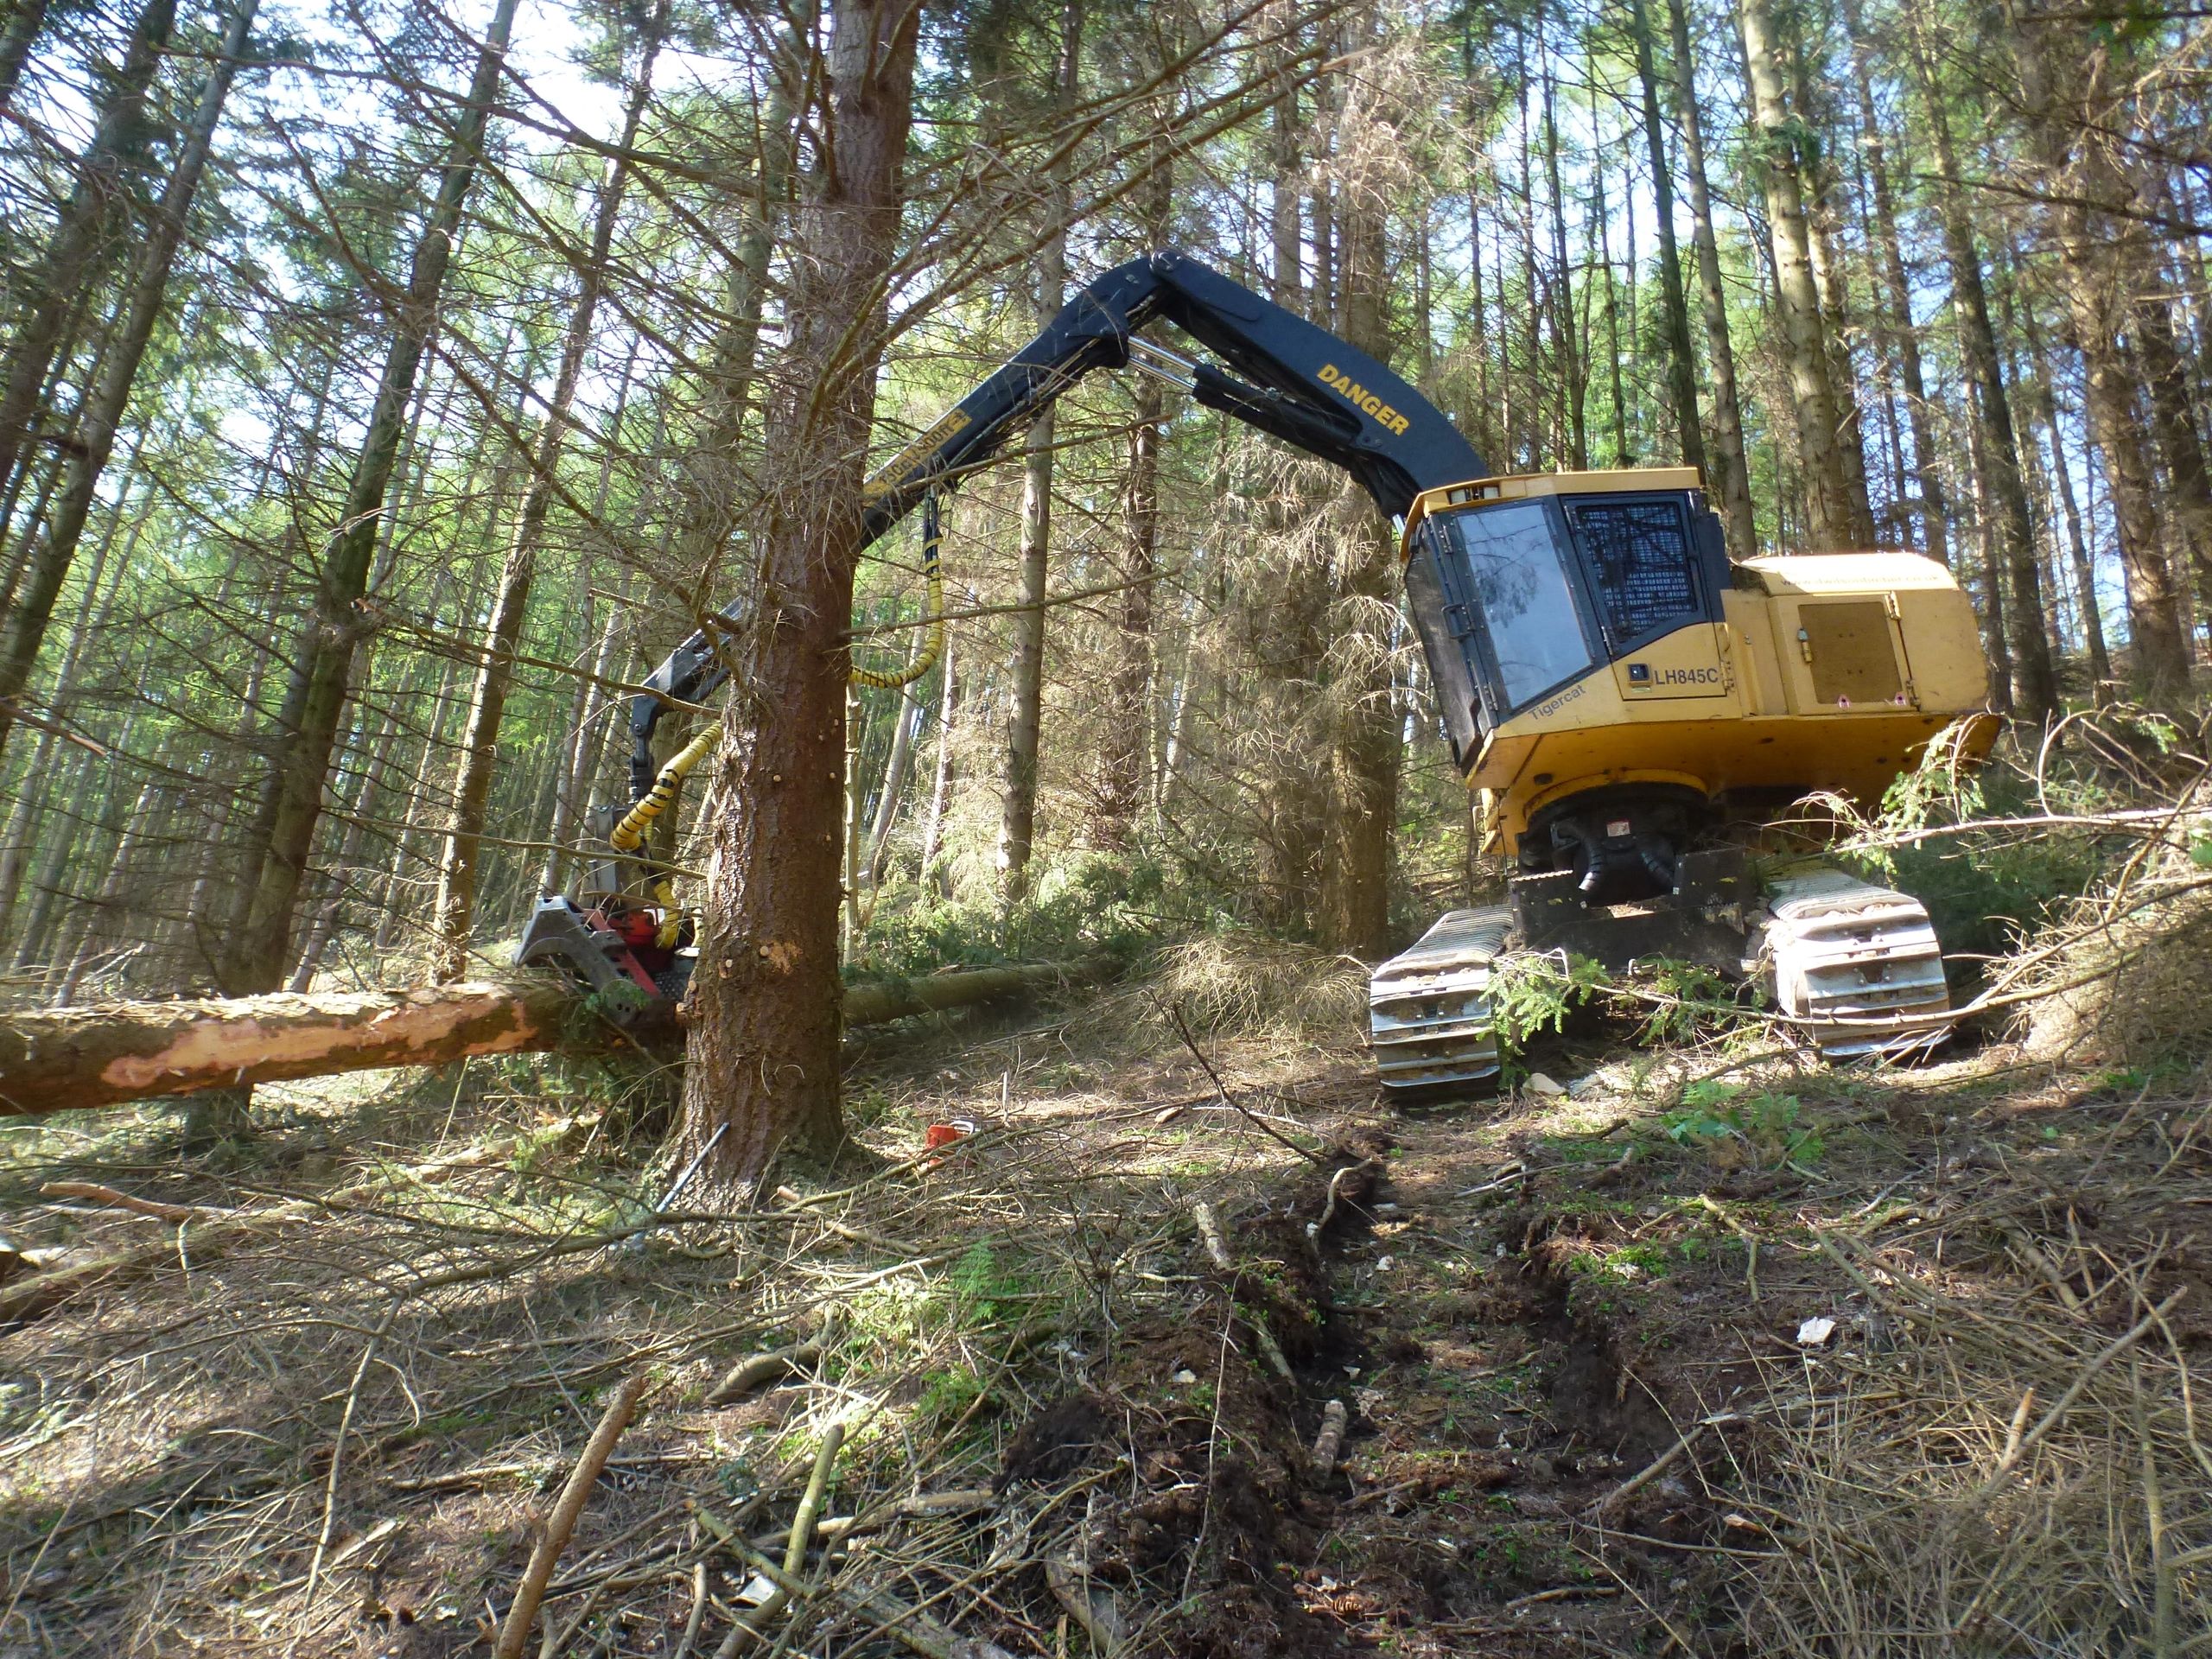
[
  {"x": 1518, "y": 572},
  {"x": 1447, "y": 627}
]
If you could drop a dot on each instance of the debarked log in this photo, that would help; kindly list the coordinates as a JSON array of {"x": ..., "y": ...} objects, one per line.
[{"x": 113, "y": 1053}]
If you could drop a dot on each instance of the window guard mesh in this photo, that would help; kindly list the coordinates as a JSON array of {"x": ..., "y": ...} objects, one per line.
[{"x": 1642, "y": 553}]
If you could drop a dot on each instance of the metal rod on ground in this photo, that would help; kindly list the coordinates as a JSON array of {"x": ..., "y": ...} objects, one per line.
[{"x": 636, "y": 1241}]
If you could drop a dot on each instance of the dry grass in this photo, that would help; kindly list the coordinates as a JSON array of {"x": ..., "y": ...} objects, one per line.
[
  {"x": 1248, "y": 985},
  {"x": 2134, "y": 989},
  {"x": 166, "y": 1449},
  {"x": 1992, "y": 1486}
]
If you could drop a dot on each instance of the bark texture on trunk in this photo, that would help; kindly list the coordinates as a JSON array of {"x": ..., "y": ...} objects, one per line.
[
  {"x": 1354, "y": 910},
  {"x": 764, "y": 1002}
]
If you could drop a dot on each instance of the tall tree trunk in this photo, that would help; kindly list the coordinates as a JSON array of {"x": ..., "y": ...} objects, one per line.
[
  {"x": 1623, "y": 457},
  {"x": 1287, "y": 633},
  {"x": 1565, "y": 332},
  {"x": 87, "y": 236},
  {"x": 1820, "y": 438},
  {"x": 105, "y": 907},
  {"x": 93, "y": 794},
  {"x": 763, "y": 1057},
  {"x": 1354, "y": 913},
  {"x": 2062, "y": 70},
  {"x": 346, "y": 861},
  {"x": 2032, "y": 686},
  {"x": 586, "y": 739},
  {"x": 1821, "y": 186},
  {"x": 308, "y": 725},
  {"x": 2180, "y": 451},
  {"x": 589, "y": 728},
  {"x": 713, "y": 485},
  {"x": 1682, "y": 358},
  {"x": 898, "y": 768},
  {"x": 40, "y": 475},
  {"x": 480, "y": 738},
  {"x": 24, "y": 629},
  {"x": 1993, "y": 610},
  {"x": 1025, "y": 725},
  {"x": 91, "y": 614},
  {"x": 1732, "y": 481},
  {"x": 947, "y": 725},
  {"x": 2062, "y": 471},
  {"x": 1886, "y": 238},
  {"x": 1125, "y": 744},
  {"x": 24, "y": 22}
]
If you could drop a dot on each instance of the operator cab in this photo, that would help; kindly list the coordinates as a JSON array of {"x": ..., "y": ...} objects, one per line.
[{"x": 1521, "y": 587}]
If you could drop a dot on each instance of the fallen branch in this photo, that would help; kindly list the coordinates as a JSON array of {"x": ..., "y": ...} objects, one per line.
[
  {"x": 1090, "y": 1606},
  {"x": 1659, "y": 1465},
  {"x": 752, "y": 1371},
  {"x": 810, "y": 1504},
  {"x": 93, "y": 1193},
  {"x": 1210, "y": 1230},
  {"x": 523, "y": 1612}
]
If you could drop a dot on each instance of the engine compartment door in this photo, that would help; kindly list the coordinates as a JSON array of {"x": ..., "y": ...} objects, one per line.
[{"x": 1843, "y": 655}]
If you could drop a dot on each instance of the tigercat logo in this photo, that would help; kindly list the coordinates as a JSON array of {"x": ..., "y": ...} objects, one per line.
[
  {"x": 1572, "y": 694},
  {"x": 1363, "y": 400}
]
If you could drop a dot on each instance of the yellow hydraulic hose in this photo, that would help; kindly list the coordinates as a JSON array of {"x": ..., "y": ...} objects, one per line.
[
  {"x": 630, "y": 834},
  {"x": 933, "y": 581}
]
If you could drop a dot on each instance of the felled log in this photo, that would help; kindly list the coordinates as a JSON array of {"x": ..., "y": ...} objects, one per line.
[{"x": 62, "y": 1060}]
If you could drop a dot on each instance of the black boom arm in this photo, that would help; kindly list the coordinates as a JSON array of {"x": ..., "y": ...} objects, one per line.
[{"x": 1300, "y": 383}]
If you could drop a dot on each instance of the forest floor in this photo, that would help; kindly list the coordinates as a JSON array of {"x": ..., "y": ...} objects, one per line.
[{"x": 1801, "y": 1361}]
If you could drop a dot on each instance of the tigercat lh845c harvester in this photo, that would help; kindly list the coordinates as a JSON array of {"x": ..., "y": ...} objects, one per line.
[{"x": 1621, "y": 698}]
